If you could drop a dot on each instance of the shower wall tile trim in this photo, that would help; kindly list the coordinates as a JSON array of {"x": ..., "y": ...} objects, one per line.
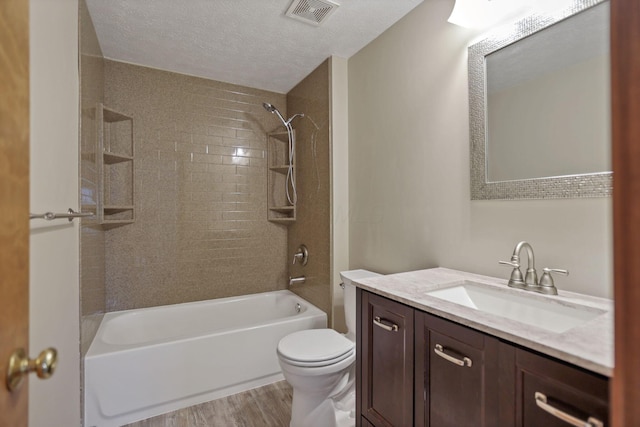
[
  {"x": 92, "y": 244},
  {"x": 313, "y": 217}
]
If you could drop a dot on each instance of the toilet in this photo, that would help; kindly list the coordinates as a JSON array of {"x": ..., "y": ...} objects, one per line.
[{"x": 319, "y": 364}]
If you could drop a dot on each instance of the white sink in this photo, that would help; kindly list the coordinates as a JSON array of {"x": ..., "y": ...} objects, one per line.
[{"x": 535, "y": 310}]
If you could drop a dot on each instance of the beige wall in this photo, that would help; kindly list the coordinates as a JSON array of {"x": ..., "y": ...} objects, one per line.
[
  {"x": 313, "y": 214},
  {"x": 409, "y": 191},
  {"x": 92, "y": 268},
  {"x": 201, "y": 228},
  {"x": 54, "y": 258}
]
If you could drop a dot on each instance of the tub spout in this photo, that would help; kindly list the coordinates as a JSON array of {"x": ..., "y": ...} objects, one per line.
[{"x": 296, "y": 280}]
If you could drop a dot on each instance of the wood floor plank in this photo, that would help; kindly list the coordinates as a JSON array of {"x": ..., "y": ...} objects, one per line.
[{"x": 268, "y": 406}]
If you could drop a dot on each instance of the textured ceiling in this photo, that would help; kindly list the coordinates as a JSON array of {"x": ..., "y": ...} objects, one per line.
[{"x": 246, "y": 42}]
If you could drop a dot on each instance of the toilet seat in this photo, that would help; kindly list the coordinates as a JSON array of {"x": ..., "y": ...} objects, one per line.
[{"x": 315, "y": 348}]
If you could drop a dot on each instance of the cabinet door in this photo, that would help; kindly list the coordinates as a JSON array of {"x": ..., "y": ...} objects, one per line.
[
  {"x": 456, "y": 375},
  {"x": 553, "y": 394},
  {"x": 386, "y": 353}
]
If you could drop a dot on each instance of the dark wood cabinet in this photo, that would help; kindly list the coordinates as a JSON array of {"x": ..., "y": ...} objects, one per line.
[
  {"x": 416, "y": 369},
  {"x": 547, "y": 392},
  {"x": 386, "y": 380},
  {"x": 456, "y": 367},
  {"x": 365, "y": 423}
]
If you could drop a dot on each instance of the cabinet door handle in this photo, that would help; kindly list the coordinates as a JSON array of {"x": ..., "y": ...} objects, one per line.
[
  {"x": 385, "y": 324},
  {"x": 465, "y": 361},
  {"x": 541, "y": 401}
]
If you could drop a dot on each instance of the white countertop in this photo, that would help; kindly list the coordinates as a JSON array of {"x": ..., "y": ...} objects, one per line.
[{"x": 589, "y": 345}]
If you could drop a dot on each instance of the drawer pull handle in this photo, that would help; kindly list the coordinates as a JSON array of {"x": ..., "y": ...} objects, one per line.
[
  {"x": 541, "y": 401},
  {"x": 465, "y": 361},
  {"x": 392, "y": 327}
]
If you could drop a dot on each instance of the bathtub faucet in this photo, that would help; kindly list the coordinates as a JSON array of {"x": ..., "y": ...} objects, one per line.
[{"x": 296, "y": 280}]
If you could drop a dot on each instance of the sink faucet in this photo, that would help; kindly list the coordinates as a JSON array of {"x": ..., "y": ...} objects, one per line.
[
  {"x": 530, "y": 282},
  {"x": 531, "y": 278}
]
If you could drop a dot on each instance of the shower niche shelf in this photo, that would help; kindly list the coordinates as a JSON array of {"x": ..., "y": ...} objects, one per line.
[
  {"x": 115, "y": 168},
  {"x": 279, "y": 209}
]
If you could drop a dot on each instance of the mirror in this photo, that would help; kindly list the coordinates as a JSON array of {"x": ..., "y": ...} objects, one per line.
[{"x": 540, "y": 107}]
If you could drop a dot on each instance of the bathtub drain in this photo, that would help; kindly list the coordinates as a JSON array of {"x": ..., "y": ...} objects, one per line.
[{"x": 298, "y": 307}]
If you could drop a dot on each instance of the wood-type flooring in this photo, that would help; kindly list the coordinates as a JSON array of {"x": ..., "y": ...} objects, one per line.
[{"x": 268, "y": 406}]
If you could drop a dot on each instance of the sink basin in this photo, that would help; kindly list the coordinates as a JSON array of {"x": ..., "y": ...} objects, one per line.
[{"x": 535, "y": 310}]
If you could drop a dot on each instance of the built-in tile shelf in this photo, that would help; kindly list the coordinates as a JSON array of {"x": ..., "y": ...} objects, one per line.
[
  {"x": 111, "y": 158},
  {"x": 115, "y": 168},
  {"x": 280, "y": 169},
  {"x": 278, "y": 208}
]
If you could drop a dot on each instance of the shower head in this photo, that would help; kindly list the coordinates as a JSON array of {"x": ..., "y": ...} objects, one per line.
[{"x": 272, "y": 109}]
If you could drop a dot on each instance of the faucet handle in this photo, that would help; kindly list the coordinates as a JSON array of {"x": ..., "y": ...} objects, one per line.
[
  {"x": 546, "y": 281},
  {"x": 510, "y": 263},
  {"x": 301, "y": 255},
  {"x": 516, "y": 280}
]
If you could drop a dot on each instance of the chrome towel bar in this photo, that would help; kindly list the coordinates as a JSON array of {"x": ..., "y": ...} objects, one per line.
[{"x": 71, "y": 214}]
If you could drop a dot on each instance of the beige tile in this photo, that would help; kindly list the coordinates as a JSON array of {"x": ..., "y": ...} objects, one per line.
[{"x": 190, "y": 233}]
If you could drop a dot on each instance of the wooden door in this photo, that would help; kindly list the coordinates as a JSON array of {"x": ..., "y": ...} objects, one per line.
[
  {"x": 386, "y": 392},
  {"x": 14, "y": 199},
  {"x": 625, "y": 100}
]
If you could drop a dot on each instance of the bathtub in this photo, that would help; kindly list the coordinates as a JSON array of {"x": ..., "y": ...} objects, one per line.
[{"x": 149, "y": 361}]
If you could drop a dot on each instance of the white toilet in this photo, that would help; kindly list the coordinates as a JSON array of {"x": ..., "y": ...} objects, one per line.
[{"x": 319, "y": 364}]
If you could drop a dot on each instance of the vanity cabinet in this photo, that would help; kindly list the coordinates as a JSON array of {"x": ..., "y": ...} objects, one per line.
[{"x": 417, "y": 369}]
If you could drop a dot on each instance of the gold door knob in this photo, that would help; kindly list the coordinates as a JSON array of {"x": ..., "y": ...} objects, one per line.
[{"x": 19, "y": 365}]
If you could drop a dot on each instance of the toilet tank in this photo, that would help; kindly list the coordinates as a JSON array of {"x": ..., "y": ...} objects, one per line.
[{"x": 350, "y": 297}]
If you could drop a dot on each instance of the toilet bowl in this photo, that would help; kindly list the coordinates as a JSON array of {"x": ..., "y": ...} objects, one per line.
[{"x": 319, "y": 364}]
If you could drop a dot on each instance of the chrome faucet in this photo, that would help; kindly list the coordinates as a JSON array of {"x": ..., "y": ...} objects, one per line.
[
  {"x": 296, "y": 280},
  {"x": 531, "y": 279},
  {"x": 530, "y": 282},
  {"x": 546, "y": 285}
]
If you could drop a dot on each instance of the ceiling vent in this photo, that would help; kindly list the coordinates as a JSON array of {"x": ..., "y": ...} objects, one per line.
[{"x": 312, "y": 12}]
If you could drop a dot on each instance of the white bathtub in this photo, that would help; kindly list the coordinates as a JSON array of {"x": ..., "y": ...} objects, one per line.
[{"x": 149, "y": 361}]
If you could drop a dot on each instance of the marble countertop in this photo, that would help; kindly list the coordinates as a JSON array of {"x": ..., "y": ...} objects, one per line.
[{"x": 589, "y": 345}]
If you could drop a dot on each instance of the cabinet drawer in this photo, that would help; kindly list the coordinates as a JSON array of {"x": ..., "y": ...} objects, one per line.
[{"x": 548, "y": 391}]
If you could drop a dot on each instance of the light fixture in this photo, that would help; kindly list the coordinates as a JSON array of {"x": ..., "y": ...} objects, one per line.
[{"x": 480, "y": 14}]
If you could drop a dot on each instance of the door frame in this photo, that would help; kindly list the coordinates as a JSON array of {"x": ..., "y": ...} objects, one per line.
[{"x": 625, "y": 122}]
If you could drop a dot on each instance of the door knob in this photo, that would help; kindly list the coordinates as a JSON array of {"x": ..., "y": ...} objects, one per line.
[{"x": 19, "y": 365}]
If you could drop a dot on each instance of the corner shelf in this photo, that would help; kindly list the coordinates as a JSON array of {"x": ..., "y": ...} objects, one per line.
[
  {"x": 278, "y": 208},
  {"x": 115, "y": 168}
]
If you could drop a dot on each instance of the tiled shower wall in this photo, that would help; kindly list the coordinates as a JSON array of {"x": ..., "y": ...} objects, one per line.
[
  {"x": 92, "y": 267},
  {"x": 312, "y": 226},
  {"x": 201, "y": 228}
]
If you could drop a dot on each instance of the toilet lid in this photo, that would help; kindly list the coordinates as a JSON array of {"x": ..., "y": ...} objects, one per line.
[{"x": 315, "y": 345}]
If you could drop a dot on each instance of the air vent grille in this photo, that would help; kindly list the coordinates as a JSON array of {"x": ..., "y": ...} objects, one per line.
[{"x": 311, "y": 11}]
